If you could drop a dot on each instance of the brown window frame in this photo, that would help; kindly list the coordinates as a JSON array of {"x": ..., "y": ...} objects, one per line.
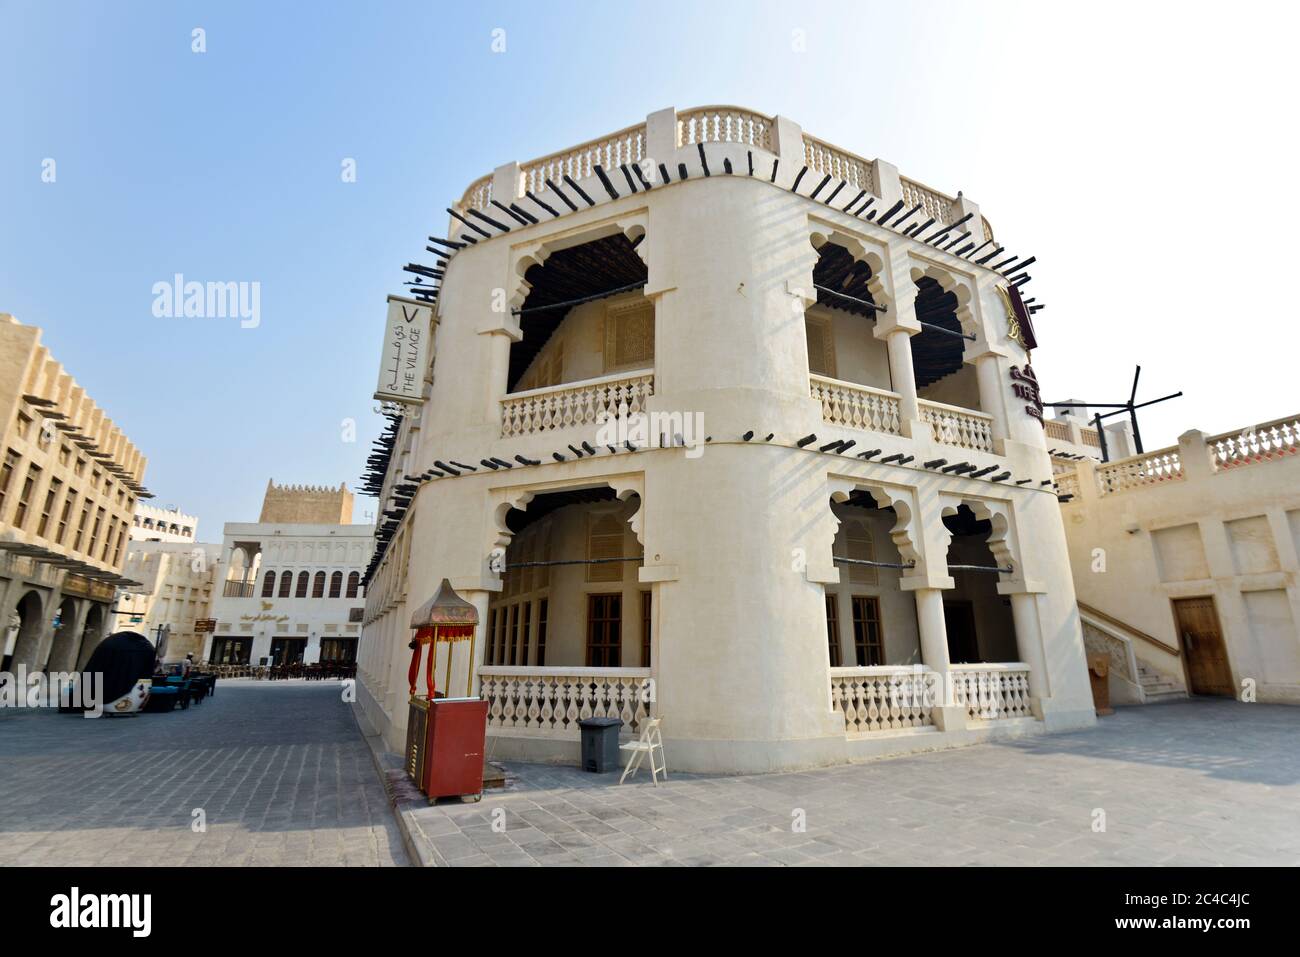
[
  {"x": 268, "y": 585},
  {"x": 336, "y": 585},
  {"x": 606, "y": 624},
  {"x": 304, "y": 581},
  {"x": 286, "y": 584},
  {"x": 647, "y": 621},
  {"x": 51, "y": 494},
  {"x": 543, "y": 607},
  {"x": 833, "y": 629},
  {"x": 318, "y": 585},
  {"x": 866, "y": 647},
  {"x": 25, "y": 495}
]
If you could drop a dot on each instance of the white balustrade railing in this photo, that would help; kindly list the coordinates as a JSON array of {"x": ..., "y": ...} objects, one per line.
[
  {"x": 1067, "y": 483},
  {"x": 479, "y": 194},
  {"x": 610, "y": 152},
  {"x": 952, "y": 425},
  {"x": 1060, "y": 431},
  {"x": 858, "y": 406},
  {"x": 1139, "y": 471},
  {"x": 992, "y": 692},
  {"x": 724, "y": 124},
  {"x": 883, "y": 698},
  {"x": 1259, "y": 443},
  {"x": 588, "y": 402},
  {"x": 933, "y": 203},
  {"x": 553, "y": 700},
  {"x": 839, "y": 164}
]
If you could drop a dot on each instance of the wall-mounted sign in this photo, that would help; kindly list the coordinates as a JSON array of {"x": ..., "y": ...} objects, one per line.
[
  {"x": 1025, "y": 386},
  {"x": 408, "y": 335},
  {"x": 202, "y": 625},
  {"x": 1019, "y": 326}
]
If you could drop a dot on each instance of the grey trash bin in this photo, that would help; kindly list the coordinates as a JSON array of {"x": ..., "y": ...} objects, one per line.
[{"x": 600, "y": 744}]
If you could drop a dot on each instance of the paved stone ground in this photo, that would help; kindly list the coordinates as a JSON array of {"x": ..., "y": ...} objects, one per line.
[
  {"x": 1198, "y": 783},
  {"x": 280, "y": 768}
]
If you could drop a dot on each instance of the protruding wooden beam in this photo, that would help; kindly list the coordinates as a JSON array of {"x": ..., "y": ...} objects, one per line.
[
  {"x": 545, "y": 206},
  {"x": 472, "y": 225},
  {"x": 567, "y": 202},
  {"x": 572, "y": 184},
  {"x": 604, "y": 181}
]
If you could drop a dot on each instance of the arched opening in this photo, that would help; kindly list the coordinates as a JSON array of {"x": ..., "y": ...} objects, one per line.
[
  {"x": 570, "y": 593},
  {"x": 870, "y": 620},
  {"x": 245, "y": 557},
  {"x": 92, "y": 633},
  {"x": 839, "y": 326},
  {"x": 584, "y": 316},
  {"x": 268, "y": 585},
  {"x": 26, "y": 629},
  {"x": 979, "y": 622},
  {"x": 63, "y": 650},
  {"x": 354, "y": 583},
  {"x": 301, "y": 590},
  {"x": 318, "y": 585},
  {"x": 286, "y": 584},
  {"x": 937, "y": 357},
  {"x": 336, "y": 585}
]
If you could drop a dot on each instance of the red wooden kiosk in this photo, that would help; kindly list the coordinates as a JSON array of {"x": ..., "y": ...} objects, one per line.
[{"x": 445, "y": 737}]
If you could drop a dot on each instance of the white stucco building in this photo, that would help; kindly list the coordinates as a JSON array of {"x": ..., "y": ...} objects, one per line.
[
  {"x": 837, "y": 537},
  {"x": 150, "y": 523},
  {"x": 291, "y": 590}
]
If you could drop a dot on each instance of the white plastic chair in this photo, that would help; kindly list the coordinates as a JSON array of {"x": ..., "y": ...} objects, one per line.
[{"x": 651, "y": 739}]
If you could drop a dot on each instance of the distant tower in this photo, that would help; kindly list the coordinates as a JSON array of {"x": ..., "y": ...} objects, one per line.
[{"x": 306, "y": 504}]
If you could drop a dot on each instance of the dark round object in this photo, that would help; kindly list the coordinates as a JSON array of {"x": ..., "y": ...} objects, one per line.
[{"x": 123, "y": 658}]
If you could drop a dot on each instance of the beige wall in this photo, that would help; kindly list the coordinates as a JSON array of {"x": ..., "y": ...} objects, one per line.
[
  {"x": 306, "y": 505},
  {"x": 1196, "y": 529}
]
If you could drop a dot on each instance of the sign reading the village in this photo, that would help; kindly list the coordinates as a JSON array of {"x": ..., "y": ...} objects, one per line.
[
  {"x": 1025, "y": 386},
  {"x": 407, "y": 334}
]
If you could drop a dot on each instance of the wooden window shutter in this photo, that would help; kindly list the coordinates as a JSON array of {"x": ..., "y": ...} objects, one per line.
[
  {"x": 821, "y": 346},
  {"x": 605, "y": 540},
  {"x": 629, "y": 336}
]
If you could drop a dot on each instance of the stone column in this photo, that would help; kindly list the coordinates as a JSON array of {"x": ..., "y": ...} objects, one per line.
[
  {"x": 899, "y": 343},
  {"x": 988, "y": 374},
  {"x": 1029, "y": 643},
  {"x": 660, "y": 139}
]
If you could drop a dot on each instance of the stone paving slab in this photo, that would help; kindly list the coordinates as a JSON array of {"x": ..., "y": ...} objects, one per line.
[
  {"x": 1201, "y": 782},
  {"x": 279, "y": 768}
]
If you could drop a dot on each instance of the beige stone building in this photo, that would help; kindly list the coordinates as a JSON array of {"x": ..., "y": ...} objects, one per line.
[
  {"x": 69, "y": 483},
  {"x": 732, "y": 426},
  {"x": 306, "y": 505},
  {"x": 177, "y": 580},
  {"x": 1185, "y": 564}
]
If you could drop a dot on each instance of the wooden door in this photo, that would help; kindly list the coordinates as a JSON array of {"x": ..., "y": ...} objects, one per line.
[
  {"x": 959, "y": 616},
  {"x": 1208, "y": 671}
]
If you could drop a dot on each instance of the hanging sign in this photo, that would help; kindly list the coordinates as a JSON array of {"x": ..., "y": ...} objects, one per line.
[
  {"x": 1019, "y": 325},
  {"x": 408, "y": 335}
]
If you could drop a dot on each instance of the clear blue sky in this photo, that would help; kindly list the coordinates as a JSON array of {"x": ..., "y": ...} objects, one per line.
[{"x": 1095, "y": 136}]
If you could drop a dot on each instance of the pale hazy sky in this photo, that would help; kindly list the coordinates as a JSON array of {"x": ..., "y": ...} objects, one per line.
[{"x": 1142, "y": 151}]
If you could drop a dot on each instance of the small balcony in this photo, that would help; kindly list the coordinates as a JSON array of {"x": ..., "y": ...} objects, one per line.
[
  {"x": 877, "y": 410},
  {"x": 584, "y": 403}
]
